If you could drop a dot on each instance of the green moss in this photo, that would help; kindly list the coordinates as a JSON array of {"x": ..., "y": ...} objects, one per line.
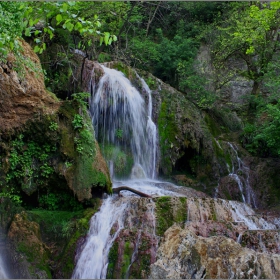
[
  {"x": 167, "y": 213},
  {"x": 151, "y": 82},
  {"x": 112, "y": 260},
  {"x": 212, "y": 125},
  {"x": 128, "y": 251},
  {"x": 167, "y": 132},
  {"x": 126, "y": 70},
  {"x": 35, "y": 257},
  {"x": 67, "y": 255}
]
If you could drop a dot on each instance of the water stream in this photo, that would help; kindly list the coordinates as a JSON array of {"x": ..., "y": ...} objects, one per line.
[
  {"x": 3, "y": 268},
  {"x": 241, "y": 174},
  {"x": 3, "y": 273}
]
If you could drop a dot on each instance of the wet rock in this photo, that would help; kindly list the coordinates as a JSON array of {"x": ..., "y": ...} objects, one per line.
[{"x": 184, "y": 255}]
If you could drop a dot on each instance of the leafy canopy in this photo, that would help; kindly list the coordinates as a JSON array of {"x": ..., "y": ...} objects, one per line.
[{"x": 42, "y": 21}]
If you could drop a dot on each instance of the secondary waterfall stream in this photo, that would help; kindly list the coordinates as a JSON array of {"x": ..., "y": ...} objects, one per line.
[
  {"x": 121, "y": 118},
  {"x": 3, "y": 268}
]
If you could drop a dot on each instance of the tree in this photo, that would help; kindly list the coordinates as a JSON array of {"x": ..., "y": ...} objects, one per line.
[{"x": 251, "y": 34}]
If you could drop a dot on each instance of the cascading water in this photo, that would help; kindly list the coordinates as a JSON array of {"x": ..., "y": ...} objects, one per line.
[
  {"x": 120, "y": 119},
  {"x": 92, "y": 263},
  {"x": 242, "y": 177},
  {"x": 151, "y": 130},
  {"x": 3, "y": 274},
  {"x": 3, "y": 269}
]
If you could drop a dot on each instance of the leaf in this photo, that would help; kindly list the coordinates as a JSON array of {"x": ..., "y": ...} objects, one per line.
[
  {"x": 36, "y": 49},
  {"x": 110, "y": 41},
  {"x": 64, "y": 7},
  {"x": 101, "y": 40},
  {"x": 106, "y": 37},
  {"x": 115, "y": 38},
  {"x": 27, "y": 32},
  {"x": 58, "y": 18},
  {"x": 78, "y": 26},
  {"x": 69, "y": 26}
]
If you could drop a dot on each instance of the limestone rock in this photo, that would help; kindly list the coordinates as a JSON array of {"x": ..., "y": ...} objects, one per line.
[
  {"x": 184, "y": 255},
  {"x": 23, "y": 96},
  {"x": 28, "y": 253}
]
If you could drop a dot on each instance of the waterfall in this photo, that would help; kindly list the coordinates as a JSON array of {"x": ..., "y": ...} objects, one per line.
[
  {"x": 93, "y": 260},
  {"x": 241, "y": 175},
  {"x": 120, "y": 118},
  {"x": 3, "y": 268},
  {"x": 152, "y": 130},
  {"x": 3, "y": 273}
]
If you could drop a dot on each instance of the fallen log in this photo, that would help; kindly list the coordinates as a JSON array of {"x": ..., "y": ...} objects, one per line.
[{"x": 125, "y": 188}]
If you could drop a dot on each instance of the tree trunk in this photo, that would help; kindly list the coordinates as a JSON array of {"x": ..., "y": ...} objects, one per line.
[{"x": 125, "y": 188}]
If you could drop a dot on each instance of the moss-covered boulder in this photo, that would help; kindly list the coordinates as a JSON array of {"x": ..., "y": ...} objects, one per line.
[
  {"x": 48, "y": 146},
  {"x": 30, "y": 252}
]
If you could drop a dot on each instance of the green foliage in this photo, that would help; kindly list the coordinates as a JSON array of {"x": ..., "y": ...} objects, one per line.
[
  {"x": 55, "y": 16},
  {"x": 11, "y": 26},
  {"x": 53, "y": 126},
  {"x": 61, "y": 201},
  {"x": 78, "y": 121},
  {"x": 30, "y": 164},
  {"x": 263, "y": 139},
  {"x": 13, "y": 195},
  {"x": 81, "y": 99},
  {"x": 249, "y": 33}
]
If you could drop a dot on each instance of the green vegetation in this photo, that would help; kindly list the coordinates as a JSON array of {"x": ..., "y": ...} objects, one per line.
[
  {"x": 166, "y": 215},
  {"x": 167, "y": 132}
]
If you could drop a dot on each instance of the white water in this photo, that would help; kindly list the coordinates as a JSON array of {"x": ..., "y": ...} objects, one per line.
[
  {"x": 240, "y": 185},
  {"x": 241, "y": 175},
  {"x": 243, "y": 212},
  {"x": 3, "y": 273},
  {"x": 93, "y": 260},
  {"x": 3, "y": 268},
  {"x": 151, "y": 130},
  {"x": 121, "y": 119}
]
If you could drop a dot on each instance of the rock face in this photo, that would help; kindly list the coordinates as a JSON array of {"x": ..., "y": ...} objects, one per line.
[
  {"x": 220, "y": 239},
  {"x": 32, "y": 120},
  {"x": 184, "y": 255},
  {"x": 28, "y": 253},
  {"x": 193, "y": 237},
  {"x": 23, "y": 95}
]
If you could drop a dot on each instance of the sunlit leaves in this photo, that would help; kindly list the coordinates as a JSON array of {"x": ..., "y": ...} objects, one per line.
[{"x": 42, "y": 20}]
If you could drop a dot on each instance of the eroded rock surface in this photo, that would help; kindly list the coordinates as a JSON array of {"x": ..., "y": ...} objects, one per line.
[{"x": 183, "y": 254}]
